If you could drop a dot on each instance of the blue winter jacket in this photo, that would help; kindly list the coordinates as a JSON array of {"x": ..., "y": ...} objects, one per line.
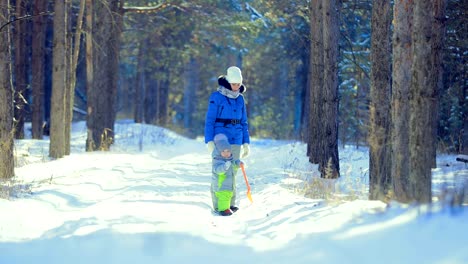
[{"x": 224, "y": 108}]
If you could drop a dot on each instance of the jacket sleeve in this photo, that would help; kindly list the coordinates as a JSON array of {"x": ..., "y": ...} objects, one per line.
[
  {"x": 245, "y": 125},
  {"x": 218, "y": 166},
  {"x": 210, "y": 118}
]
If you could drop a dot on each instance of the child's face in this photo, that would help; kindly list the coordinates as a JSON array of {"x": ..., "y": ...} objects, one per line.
[{"x": 226, "y": 153}]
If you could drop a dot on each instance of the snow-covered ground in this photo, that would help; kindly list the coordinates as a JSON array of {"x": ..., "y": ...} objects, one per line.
[{"x": 148, "y": 201}]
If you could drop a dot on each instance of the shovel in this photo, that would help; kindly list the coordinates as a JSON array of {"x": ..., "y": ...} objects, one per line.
[{"x": 249, "y": 194}]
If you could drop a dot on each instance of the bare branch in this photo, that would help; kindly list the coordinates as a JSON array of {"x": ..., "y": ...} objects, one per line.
[
  {"x": 25, "y": 17},
  {"x": 145, "y": 9}
]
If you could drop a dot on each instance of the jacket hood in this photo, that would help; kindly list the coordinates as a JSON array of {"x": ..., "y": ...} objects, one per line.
[
  {"x": 221, "y": 142},
  {"x": 222, "y": 81}
]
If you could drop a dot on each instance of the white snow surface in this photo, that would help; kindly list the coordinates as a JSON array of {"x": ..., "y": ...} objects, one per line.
[{"x": 148, "y": 201}]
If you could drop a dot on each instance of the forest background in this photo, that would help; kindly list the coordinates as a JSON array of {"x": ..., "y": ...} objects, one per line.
[
  {"x": 169, "y": 54},
  {"x": 182, "y": 48}
]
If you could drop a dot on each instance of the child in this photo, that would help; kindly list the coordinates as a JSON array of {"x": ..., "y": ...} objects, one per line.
[{"x": 222, "y": 184}]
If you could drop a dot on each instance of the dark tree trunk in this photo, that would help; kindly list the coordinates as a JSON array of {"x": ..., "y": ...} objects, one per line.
[
  {"x": 301, "y": 101},
  {"x": 107, "y": 28},
  {"x": 438, "y": 40},
  {"x": 38, "y": 70},
  {"x": 68, "y": 79},
  {"x": 151, "y": 86},
  {"x": 322, "y": 142},
  {"x": 73, "y": 53},
  {"x": 380, "y": 116},
  {"x": 48, "y": 67},
  {"x": 20, "y": 69},
  {"x": 315, "y": 80},
  {"x": 329, "y": 162},
  {"x": 422, "y": 100},
  {"x": 163, "y": 98},
  {"x": 140, "y": 82},
  {"x": 401, "y": 82},
  {"x": 90, "y": 145},
  {"x": 57, "y": 147},
  {"x": 191, "y": 83},
  {"x": 283, "y": 95},
  {"x": 464, "y": 146},
  {"x": 6, "y": 96},
  {"x": 362, "y": 113}
]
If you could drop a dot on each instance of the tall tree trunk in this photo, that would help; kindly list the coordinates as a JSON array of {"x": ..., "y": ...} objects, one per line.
[
  {"x": 464, "y": 133},
  {"x": 301, "y": 101},
  {"x": 380, "y": 116},
  {"x": 74, "y": 53},
  {"x": 90, "y": 145},
  {"x": 283, "y": 96},
  {"x": 114, "y": 60},
  {"x": 191, "y": 84},
  {"x": 68, "y": 73},
  {"x": 48, "y": 68},
  {"x": 438, "y": 38},
  {"x": 57, "y": 147},
  {"x": 20, "y": 69},
  {"x": 101, "y": 98},
  {"x": 149, "y": 103},
  {"x": 38, "y": 72},
  {"x": 6, "y": 96},
  {"x": 464, "y": 140},
  {"x": 163, "y": 99},
  {"x": 363, "y": 100},
  {"x": 422, "y": 101},
  {"x": 139, "y": 84},
  {"x": 315, "y": 80},
  {"x": 329, "y": 162},
  {"x": 402, "y": 60}
]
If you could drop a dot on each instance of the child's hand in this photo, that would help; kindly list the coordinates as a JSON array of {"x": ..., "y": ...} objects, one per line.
[
  {"x": 238, "y": 163},
  {"x": 227, "y": 164}
]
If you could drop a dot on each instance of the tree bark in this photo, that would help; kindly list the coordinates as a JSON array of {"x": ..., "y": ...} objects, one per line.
[
  {"x": 6, "y": 97},
  {"x": 379, "y": 134},
  {"x": 191, "y": 83},
  {"x": 282, "y": 96},
  {"x": 464, "y": 141},
  {"x": 140, "y": 82},
  {"x": 90, "y": 145},
  {"x": 74, "y": 49},
  {"x": 20, "y": 69},
  {"x": 68, "y": 73},
  {"x": 149, "y": 108},
  {"x": 101, "y": 97},
  {"x": 316, "y": 79},
  {"x": 163, "y": 99},
  {"x": 438, "y": 39},
  {"x": 59, "y": 82},
  {"x": 301, "y": 100},
  {"x": 401, "y": 82},
  {"x": 329, "y": 161},
  {"x": 422, "y": 100},
  {"x": 38, "y": 71}
]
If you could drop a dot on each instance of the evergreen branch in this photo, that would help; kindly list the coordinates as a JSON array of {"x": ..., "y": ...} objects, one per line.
[{"x": 354, "y": 59}]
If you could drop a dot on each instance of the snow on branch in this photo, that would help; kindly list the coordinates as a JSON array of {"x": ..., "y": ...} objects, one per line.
[
  {"x": 146, "y": 9},
  {"x": 254, "y": 14}
]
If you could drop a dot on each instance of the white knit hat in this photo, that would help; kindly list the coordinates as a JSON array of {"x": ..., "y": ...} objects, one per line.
[{"x": 234, "y": 75}]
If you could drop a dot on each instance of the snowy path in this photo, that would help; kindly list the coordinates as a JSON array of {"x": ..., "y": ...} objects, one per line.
[{"x": 154, "y": 206}]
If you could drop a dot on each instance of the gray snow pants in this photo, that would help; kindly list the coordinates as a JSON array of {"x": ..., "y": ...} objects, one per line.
[{"x": 236, "y": 155}]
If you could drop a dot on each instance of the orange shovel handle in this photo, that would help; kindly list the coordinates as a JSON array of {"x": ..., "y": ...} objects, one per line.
[{"x": 249, "y": 194}]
